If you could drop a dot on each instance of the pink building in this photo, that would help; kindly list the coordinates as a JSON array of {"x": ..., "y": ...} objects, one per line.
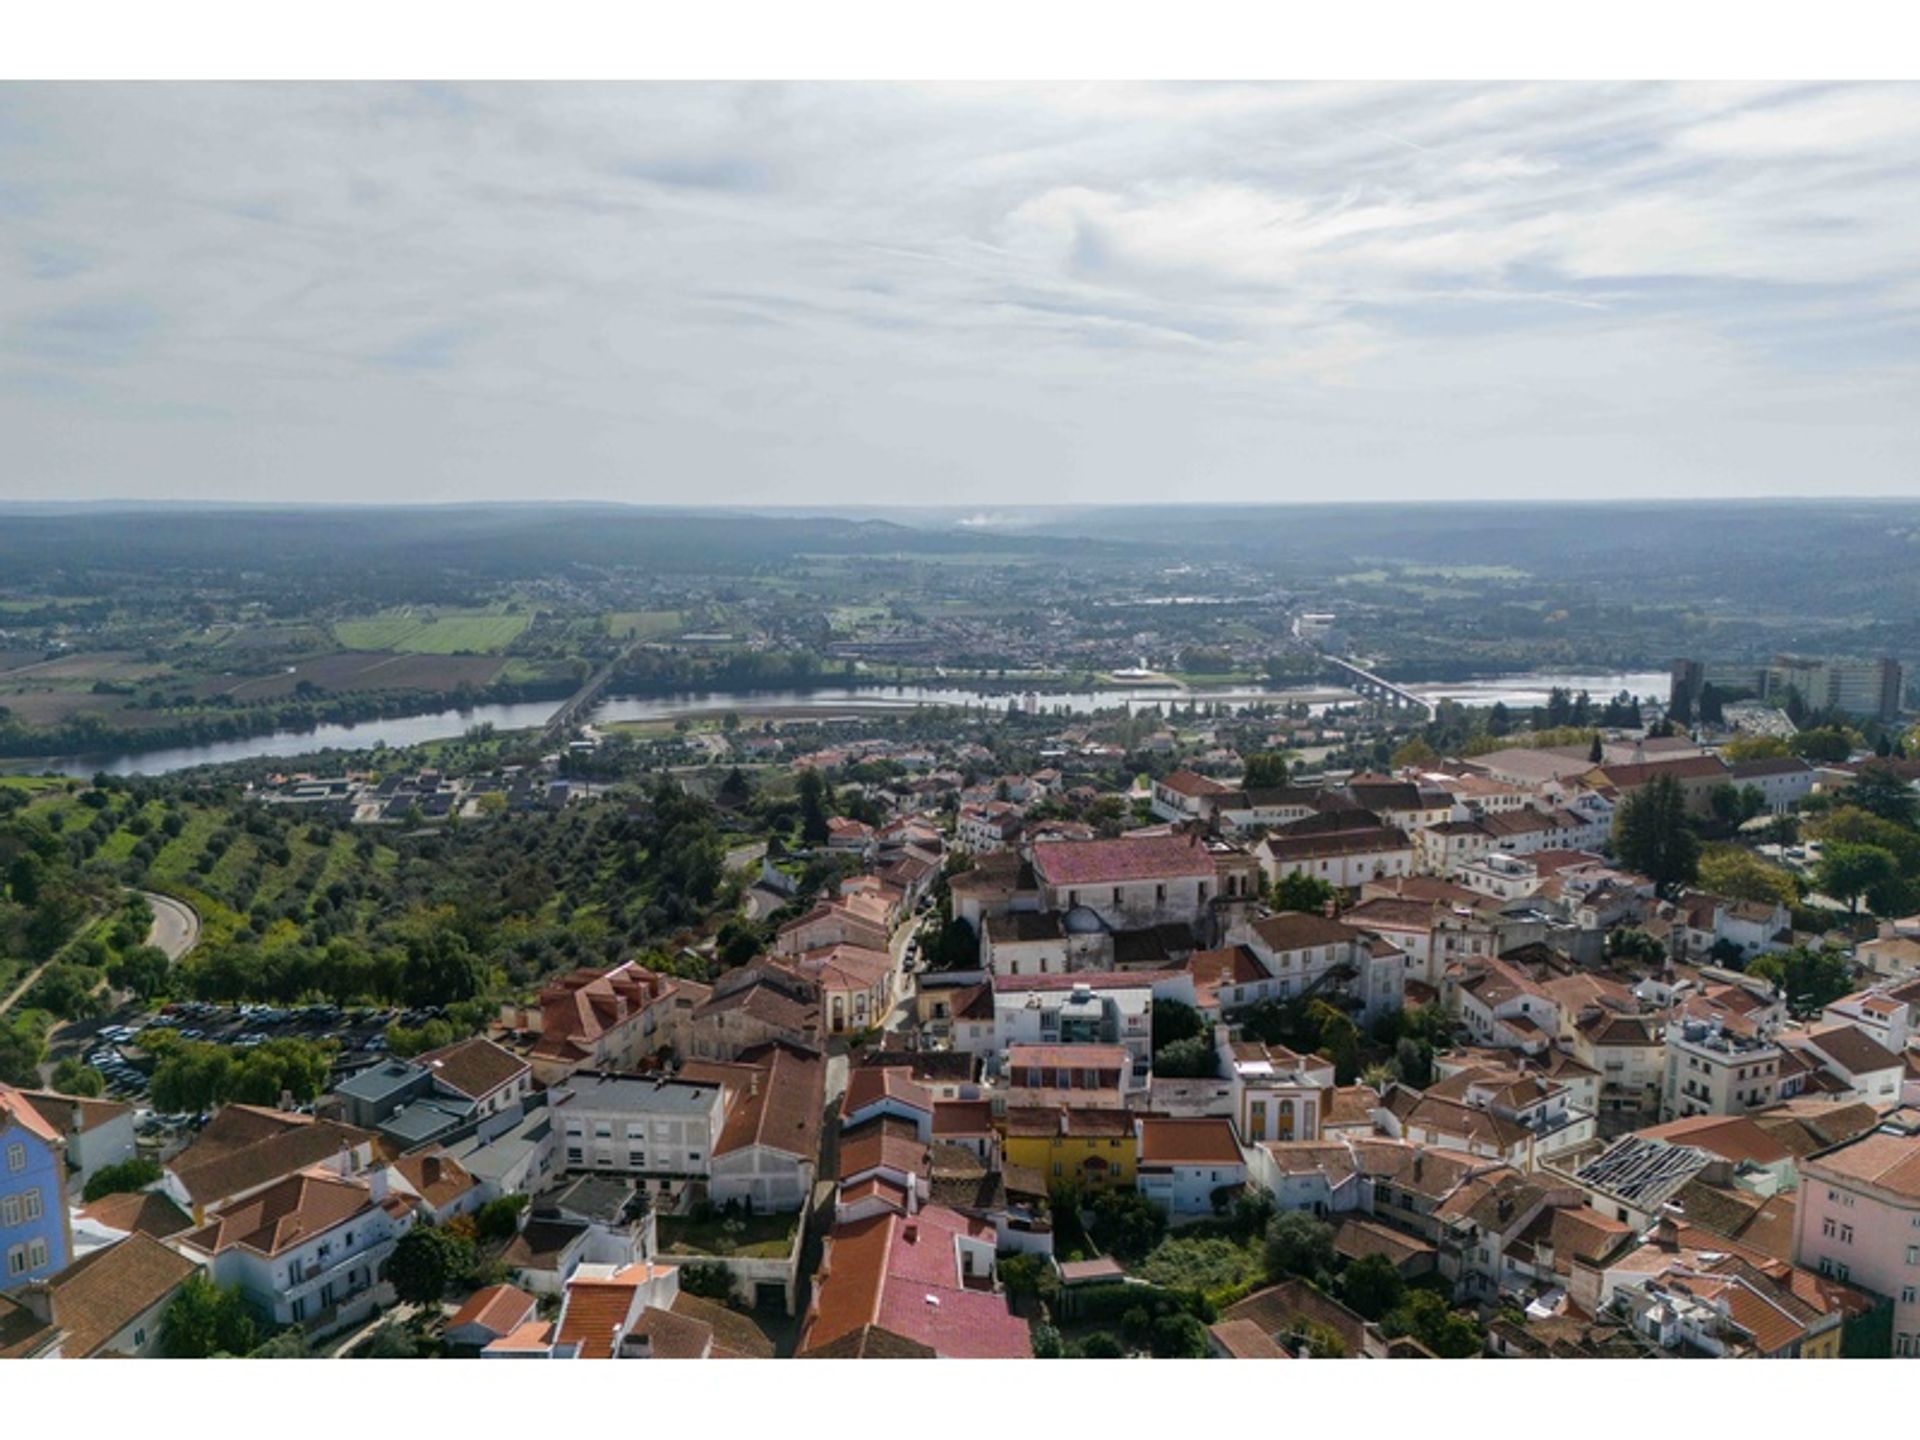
[{"x": 1858, "y": 1220}]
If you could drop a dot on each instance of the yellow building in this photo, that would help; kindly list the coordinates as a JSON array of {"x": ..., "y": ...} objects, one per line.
[{"x": 1091, "y": 1146}]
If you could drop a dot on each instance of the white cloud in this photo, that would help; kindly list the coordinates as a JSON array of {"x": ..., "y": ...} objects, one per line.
[{"x": 1079, "y": 292}]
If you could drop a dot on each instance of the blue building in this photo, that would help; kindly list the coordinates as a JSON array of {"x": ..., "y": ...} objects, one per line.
[{"x": 35, "y": 1240}]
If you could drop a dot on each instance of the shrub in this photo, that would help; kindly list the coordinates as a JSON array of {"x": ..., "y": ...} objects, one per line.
[{"x": 121, "y": 1179}]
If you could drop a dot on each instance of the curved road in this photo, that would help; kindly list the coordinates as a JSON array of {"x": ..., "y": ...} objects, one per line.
[
  {"x": 176, "y": 930},
  {"x": 176, "y": 927}
]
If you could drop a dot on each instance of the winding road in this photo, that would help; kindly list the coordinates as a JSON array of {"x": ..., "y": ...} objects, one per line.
[
  {"x": 176, "y": 926},
  {"x": 175, "y": 929}
]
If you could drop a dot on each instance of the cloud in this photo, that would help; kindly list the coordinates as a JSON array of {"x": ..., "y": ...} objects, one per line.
[{"x": 837, "y": 292}]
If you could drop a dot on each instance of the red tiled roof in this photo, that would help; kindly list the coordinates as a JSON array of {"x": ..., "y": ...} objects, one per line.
[
  {"x": 1068, "y": 1057},
  {"x": 285, "y": 1214},
  {"x": 500, "y": 1309},
  {"x": 1063, "y": 863},
  {"x": 872, "y": 1083},
  {"x": 901, "y": 1275},
  {"x": 1297, "y": 930},
  {"x": 475, "y": 1067},
  {"x": 15, "y": 1106},
  {"x": 1208, "y": 1141}
]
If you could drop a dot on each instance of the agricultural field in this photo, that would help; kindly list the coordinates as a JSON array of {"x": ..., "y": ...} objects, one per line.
[
  {"x": 424, "y": 631},
  {"x": 346, "y": 670},
  {"x": 645, "y": 624},
  {"x": 88, "y": 666},
  {"x": 51, "y": 706}
]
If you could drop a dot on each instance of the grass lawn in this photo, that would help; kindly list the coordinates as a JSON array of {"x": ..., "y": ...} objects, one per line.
[
  {"x": 756, "y": 1237},
  {"x": 645, "y": 624},
  {"x": 648, "y": 729},
  {"x": 422, "y": 631}
]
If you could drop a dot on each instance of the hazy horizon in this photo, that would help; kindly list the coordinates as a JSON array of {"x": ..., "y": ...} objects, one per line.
[{"x": 823, "y": 296}]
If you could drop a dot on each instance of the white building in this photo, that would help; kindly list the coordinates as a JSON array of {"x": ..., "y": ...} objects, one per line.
[
  {"x": 662, "y": 1129},
  {"x": 1184, "y": 1166},
  {"x": 307, "y": 1250},
  {"x": 1712, "y": 1070}
]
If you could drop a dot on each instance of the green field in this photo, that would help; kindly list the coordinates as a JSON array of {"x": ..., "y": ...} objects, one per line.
[
  {"x": 645, "y": 624},
  {"x": 31, "y": 783},
  {"x": 432, "y": 632}
]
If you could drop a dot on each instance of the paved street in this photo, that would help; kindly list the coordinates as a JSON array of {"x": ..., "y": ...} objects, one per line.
[
  {"x": 176, "y": 928},
  {"x": 903, "y": 933}
]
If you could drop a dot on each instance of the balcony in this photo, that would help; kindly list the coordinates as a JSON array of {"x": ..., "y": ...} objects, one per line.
[{"x": 312, "y": 1278}]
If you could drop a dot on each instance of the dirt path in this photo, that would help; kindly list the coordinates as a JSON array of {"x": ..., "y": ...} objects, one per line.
[{"x": 24, "y": 986}]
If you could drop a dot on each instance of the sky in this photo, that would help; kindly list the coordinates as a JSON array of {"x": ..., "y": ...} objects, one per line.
[{"x": 818, "y": 294}]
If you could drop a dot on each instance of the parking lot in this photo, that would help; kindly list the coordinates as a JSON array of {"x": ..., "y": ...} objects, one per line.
[{"x": 113, "y": 1045}]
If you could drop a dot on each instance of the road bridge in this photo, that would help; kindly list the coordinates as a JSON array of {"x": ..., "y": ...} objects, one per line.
[{"x": 1364, "y": 682}]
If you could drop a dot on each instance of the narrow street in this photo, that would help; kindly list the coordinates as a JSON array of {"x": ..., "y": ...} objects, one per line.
[{"x": 902, "y": 1007}]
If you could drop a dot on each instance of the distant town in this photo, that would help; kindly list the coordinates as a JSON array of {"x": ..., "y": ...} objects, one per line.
[{"x": 1249, "y": 994}]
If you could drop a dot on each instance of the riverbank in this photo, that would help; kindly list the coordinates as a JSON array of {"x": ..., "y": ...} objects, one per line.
[{"x": 820, "y": 703}]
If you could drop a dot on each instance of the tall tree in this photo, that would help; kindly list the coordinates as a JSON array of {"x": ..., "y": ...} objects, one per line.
[
  {"x": 205, "y": 1319},
  {"x": 1879, "y": 790},
  {"x": 1267, "y": 770},
  {"x": 1651, "y": 834},
  {"x": 1847, "y": 872},
  {"x": 813, "y": 807}
]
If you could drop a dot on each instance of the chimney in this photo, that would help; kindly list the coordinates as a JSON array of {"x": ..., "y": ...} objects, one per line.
[
  {"x": 377, "y": 1184},
  {"x": 1666, "y": 1234},
  {"x": 38, "y": 1298}
]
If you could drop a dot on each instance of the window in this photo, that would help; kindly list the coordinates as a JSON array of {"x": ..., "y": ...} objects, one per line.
[
  {"x": 1908, "y": 1294},
  {"x": 1846, "y": 1234},
  {"x": 16, "y": 1157},
  {"x": 36, "y": 1253},
  {"x": 32, "y": 1204},
  {"x": 10, "y": 1210},
  {"x": 17, "y": 1260},
  {"x": 140, "y": 1336}
]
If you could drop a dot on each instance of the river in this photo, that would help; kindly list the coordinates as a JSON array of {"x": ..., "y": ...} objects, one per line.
[{"x": 1517, "y": 691}]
